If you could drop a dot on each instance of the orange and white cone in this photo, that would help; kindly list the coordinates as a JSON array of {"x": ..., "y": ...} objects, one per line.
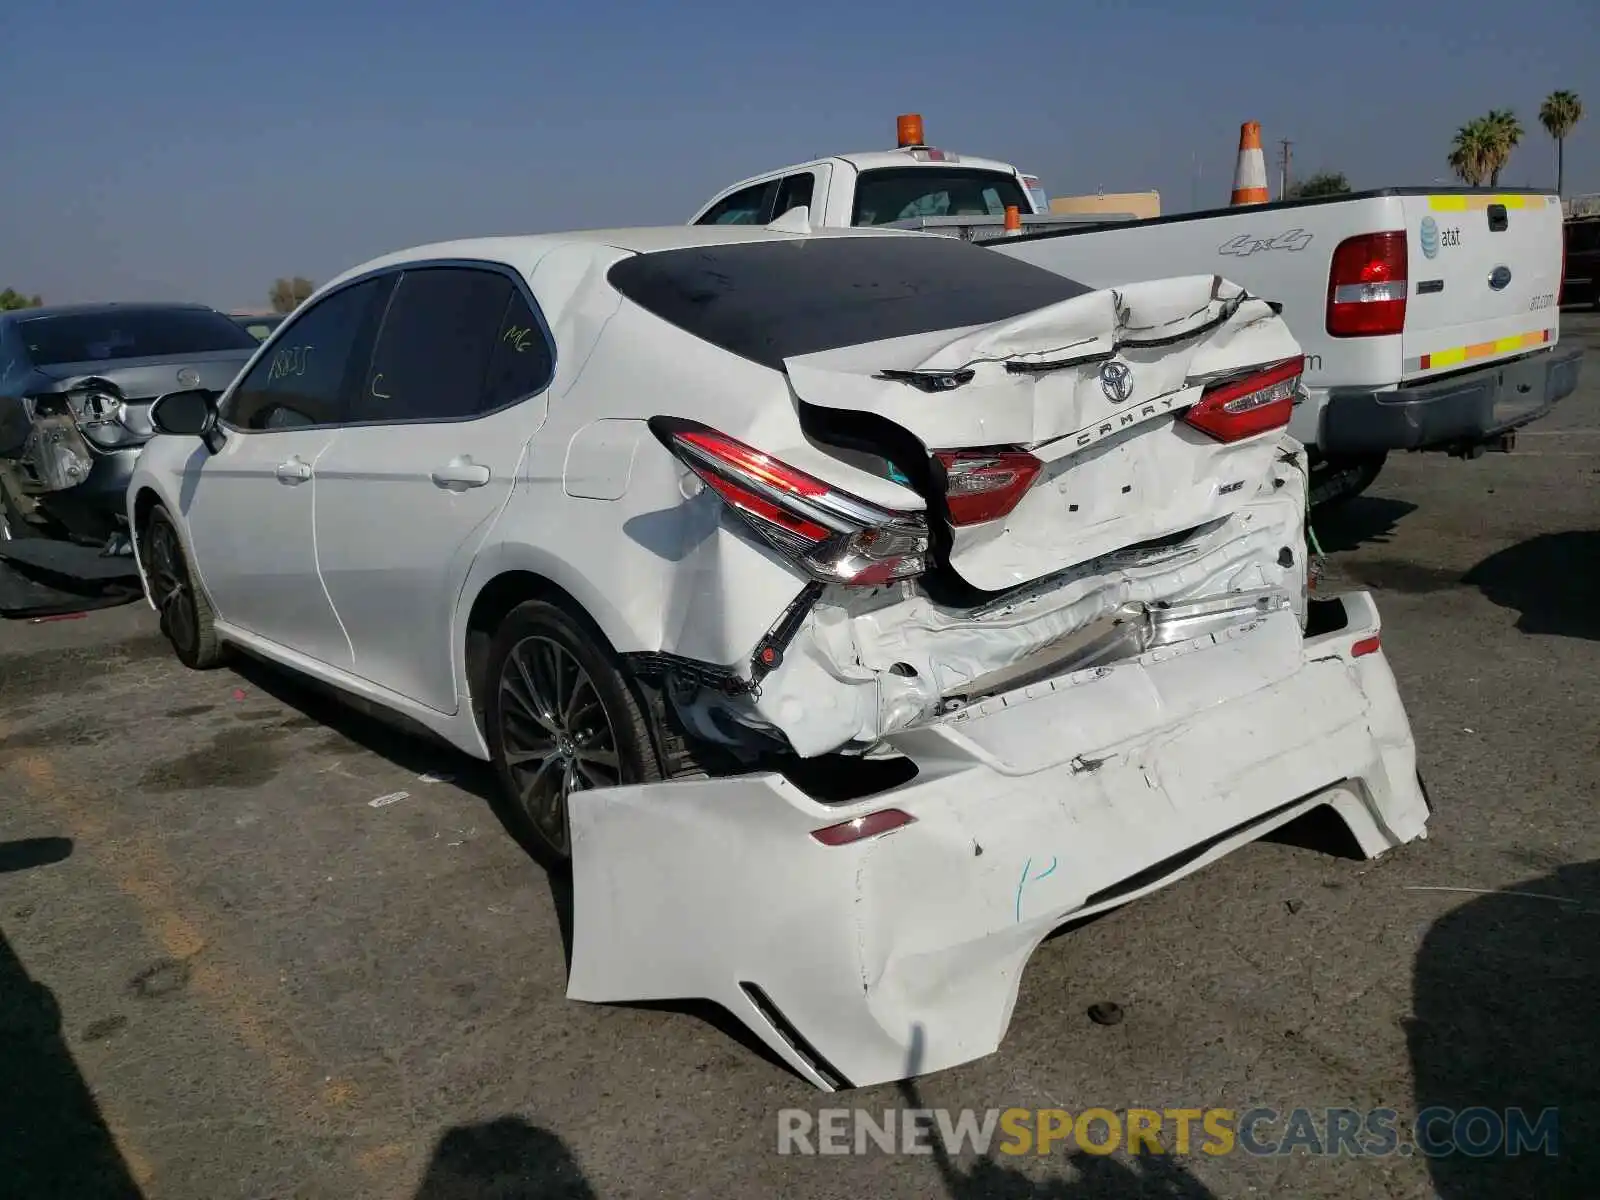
[{"x": 1250, "y": 173}]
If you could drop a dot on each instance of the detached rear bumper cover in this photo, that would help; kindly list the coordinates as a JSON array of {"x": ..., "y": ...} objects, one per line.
[
  {"x": 895, "y": 956},
  {"x": 1463, "y": 410}
]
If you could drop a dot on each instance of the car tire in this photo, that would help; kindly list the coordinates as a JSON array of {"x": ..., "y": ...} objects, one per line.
[
  {"x": 187, "y": 618},
  {"x": 560, "y": 717},
  {"x": 1337, "y": 482}
]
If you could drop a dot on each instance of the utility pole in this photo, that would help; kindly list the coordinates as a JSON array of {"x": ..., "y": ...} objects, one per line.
[{"x": 1283, "y": 168}]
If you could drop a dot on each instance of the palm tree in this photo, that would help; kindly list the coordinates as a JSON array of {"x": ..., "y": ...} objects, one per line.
[
  {"x": 1558, "y": 114},
  {"x": 1472, "y": 152},
  {"x": 1505, "y": 133}
]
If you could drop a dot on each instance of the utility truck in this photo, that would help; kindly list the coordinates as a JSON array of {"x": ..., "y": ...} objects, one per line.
[{"x": 1428, "y": 316}]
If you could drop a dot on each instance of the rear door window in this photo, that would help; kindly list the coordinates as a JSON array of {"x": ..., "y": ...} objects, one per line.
[
  {"x": 890, "y": 194},
  {"x": 522, "y": 361},
  {"x": 442, "y": 328},
  {"x": 748, "y": 206},
  {"x": 307, "y": 377}
]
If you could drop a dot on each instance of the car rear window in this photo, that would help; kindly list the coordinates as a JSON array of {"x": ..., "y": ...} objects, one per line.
[
  {"x": 129, "y": 333},
  {"x": 903, "y": 193},
  {"x": 768, "y": 301}
]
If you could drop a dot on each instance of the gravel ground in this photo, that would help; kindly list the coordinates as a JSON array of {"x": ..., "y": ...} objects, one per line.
[{"x": 225, "y": 973}]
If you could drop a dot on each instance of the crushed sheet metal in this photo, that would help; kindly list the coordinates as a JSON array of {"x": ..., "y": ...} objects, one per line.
[{"x": 844, "y": 678}]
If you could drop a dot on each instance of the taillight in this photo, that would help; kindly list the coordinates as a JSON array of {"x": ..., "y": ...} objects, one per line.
[
  {"x": 1367, "y": 286},
  {"x": 982, "y": 485},
  {"x": 1232, "y": 409},
  {"x": 833, "y": 536}
]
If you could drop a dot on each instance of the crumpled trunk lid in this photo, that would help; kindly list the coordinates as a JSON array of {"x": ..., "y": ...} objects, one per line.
[{"x": 1093, "y": 387}]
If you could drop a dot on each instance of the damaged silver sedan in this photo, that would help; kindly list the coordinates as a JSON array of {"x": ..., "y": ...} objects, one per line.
[{"x": 849, "y": 610}]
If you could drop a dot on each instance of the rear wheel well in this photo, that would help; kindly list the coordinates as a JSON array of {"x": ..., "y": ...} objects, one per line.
[{"x": 502, "y": 594}]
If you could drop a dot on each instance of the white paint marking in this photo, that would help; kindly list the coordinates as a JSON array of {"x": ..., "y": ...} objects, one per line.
[{"x": 391, "y": 798}]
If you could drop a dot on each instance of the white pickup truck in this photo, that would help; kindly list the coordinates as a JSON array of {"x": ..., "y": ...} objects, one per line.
[{"x": 1429, "y": 318}]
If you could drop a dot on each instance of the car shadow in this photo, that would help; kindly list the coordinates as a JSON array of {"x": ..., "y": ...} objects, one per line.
[
  {"x": 1552, "y": 579},
  {"x": 53, "y": 1139},
  {"x": 1506, "y": 1015},
  {"x": 1358, "y": 521},
  {"x": 1094, "y": 1176},
  {"x": 387, "y": 734},
  {"x": 506, "y": 1158}
]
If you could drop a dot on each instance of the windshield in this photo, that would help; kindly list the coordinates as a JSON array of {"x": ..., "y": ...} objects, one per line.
[
  {"x": 891, "y": 194},
  {"x": 768, "y": 301},
  {"x": 129, "y": 333}
]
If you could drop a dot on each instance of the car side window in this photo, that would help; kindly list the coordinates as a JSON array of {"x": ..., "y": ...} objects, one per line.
[
  {"x": 522, "y": 362},
  {"x": 302, "y": 381},
  {"x": 748, "y": 206},
  {"x": 433, "y": 352},
  {"x": 793, "y": 192}
]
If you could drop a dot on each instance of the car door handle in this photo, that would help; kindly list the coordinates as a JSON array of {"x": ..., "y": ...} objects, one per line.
[
  {"x": 460, "y": 474},
  {"x": 292, "y": 472}
]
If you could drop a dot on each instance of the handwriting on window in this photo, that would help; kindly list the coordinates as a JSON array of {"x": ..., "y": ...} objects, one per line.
[
  {"x": 519, "y": 338},
  {"x": 289, "y": 362}
]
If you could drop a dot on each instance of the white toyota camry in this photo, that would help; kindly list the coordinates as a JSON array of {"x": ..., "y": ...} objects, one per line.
[{"x": 849, "y": 609}]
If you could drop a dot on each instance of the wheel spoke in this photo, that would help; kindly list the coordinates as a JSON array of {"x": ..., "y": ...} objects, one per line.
[
  {"x": 529, "y": 702},
  {"x": 596, "y": 757},
  {"x": 528, "y": 752},
  {"x": 582, "y": 686},
  {"x": 591, "y": 776},
  {"x": 537, "y": 784}
]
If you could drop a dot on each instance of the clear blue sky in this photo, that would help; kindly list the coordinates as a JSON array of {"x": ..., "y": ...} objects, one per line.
[{"x": 199, "y": 148}]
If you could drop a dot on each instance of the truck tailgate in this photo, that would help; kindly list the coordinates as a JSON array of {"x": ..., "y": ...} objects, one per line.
[{"x": 1484, "y": 272}]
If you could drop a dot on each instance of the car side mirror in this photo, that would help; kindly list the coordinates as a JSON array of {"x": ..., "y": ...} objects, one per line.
[{"x": 188, "y": 414}]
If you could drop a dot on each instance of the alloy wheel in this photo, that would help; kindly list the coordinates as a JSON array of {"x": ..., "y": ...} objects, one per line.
[
  {"x": 555, "y": 734},
  {"x": 169, "y": 579}
]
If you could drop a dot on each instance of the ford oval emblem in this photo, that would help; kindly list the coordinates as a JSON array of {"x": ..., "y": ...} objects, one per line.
[
  {"x": 1499, "y": 278},
  {"x": 1116, "y": 381}
]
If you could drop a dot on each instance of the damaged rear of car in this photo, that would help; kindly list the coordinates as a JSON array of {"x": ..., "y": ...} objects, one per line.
[{"x": 1022, "y": 632}]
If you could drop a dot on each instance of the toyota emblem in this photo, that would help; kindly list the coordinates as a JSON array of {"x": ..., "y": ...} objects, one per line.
[
  {"x": 189, "y": 377},
  {"x": 1116, "y": 381}
]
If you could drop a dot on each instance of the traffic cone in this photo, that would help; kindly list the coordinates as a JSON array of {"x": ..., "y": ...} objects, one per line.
[{"x": 1250, "y": 174}]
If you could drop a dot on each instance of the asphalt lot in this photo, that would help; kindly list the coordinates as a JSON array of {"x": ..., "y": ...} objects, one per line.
[{"x": 225, "y": 973}]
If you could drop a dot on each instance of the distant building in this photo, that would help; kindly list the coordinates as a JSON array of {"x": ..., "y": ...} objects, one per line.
[{"x": 1138, "y": 204}]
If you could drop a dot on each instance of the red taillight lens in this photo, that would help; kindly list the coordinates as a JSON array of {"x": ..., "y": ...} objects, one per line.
[
  {"x": 1367, "y": 645},
  {"x": 1234, "y": 409},
  {"x": 982, "y": 485},
  {"x": 1367, "y": 286},
  {"x": 832, "y": 535},
  {"x": 872, "y": 825}
]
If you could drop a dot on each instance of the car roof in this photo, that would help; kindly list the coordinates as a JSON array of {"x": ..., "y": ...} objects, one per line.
[
  {"x": 524, "y": 251},
  {"x": 867, "y": 160},
  {"x": 109, "y": 306}
]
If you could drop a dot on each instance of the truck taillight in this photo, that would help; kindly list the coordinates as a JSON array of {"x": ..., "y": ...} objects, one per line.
[
  {"x": 984, "y": 485},
  {"x": 833, "y": 536},
  {"x": 1367, "y": 286},
  {"x": 1234, "y": 409}
]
